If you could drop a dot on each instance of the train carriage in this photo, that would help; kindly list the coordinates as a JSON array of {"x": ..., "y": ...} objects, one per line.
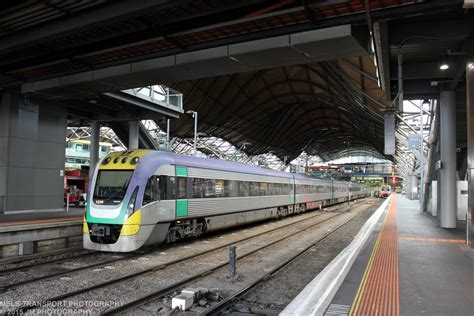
[
  {"x": 313, "y": 192},
  {"x": 145, "y": 197}
]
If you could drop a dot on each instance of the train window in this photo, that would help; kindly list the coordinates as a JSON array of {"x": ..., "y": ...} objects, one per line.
[
  {"x": 209, "y": 188},
  {"x": 181, "y": 188},
  {"x": 220, "y": 189},
  {"x": 278, "y": 188},
  {"x": 282, "y": 190},
  {"x": 272, "y": 189},
  {"x": 198, "y": 188},
  {"x": 244, "y": 188},
  {"x": 111, "y": 186},
  {"x": 232, "y": 188},
  {"x": 254, "y": 188},
  {"x": 152, "y": 190},
  {"x": 171, "y": 188}
]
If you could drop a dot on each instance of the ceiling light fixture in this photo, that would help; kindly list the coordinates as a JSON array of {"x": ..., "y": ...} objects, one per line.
[{"x": 444, "y": 63}]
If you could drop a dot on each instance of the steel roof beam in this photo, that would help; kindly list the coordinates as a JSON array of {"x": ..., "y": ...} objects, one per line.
[{"x": 82, "y": 21}]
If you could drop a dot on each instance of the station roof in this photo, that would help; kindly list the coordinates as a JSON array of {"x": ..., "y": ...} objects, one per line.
[
  {"x": 327, "y": 109},
  {"x": 330, "y": 107}
]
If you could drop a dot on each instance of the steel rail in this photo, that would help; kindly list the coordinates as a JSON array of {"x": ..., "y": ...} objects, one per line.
[
  {"x": 37, "y": 256},
  {"x": 34, "y": 264},
  {"x": 25, "y": 308},
  {"x": 157, "y": 294},
  {"x": 224, "y": 303},
  {"x": 4, "y": 287}
]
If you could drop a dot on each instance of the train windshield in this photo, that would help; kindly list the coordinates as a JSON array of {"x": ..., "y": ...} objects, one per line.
[
  {"x": 111, "y": 186},
  {"x": 386, "y": 189}
]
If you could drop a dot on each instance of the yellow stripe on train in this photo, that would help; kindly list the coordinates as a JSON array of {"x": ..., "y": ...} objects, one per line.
[
  {"x": 85, "y": 227},
  {"x": 132, "y": 224}
]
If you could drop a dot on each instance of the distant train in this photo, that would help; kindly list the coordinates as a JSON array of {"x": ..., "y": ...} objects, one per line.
[
  {"x": 385, "y": 191},
  {"x": 143, "y": 197}
]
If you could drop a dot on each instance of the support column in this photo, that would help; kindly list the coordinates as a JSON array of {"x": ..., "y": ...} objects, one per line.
[
  {"x": 447, "y": 209},
  {"x": 133, "y": 135},
  {"x": 32, "y": 153},
  {"x": 470, "y": 149},
  {"x": 414, "y": 187},
  {"x": 408, "y": 186},
  {"x": 94, "y": 150}
]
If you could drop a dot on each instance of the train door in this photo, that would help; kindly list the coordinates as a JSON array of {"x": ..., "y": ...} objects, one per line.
[
  {"x": 181, "y": 193},
  {"x": 333, "y": 192},
  {"x": 350, "y": 191},
  {"x": 292, "y": 190}
]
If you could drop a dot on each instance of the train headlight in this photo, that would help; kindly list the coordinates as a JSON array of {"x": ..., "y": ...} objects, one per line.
[
  {"x": 131, "y": 203},
  {"x": 135, "y": 160},
  {"x": 106, "y": 160}
]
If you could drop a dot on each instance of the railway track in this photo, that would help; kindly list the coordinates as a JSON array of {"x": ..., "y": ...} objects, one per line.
[
  {"x": 170, "y": 264},
  {"x": 7, "y": 286},
  {"x": 37, "y": 256},
  {"x": 65, "y": 296},
  {"x": 28, "y": 263},
  {"x": 169, "y": 289},
  {"x": 225, "y": 303},
  {"x": 215, "y": 309}
]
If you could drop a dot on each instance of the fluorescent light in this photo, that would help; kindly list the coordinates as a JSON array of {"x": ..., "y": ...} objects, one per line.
[{"x": 444, "y": 66}]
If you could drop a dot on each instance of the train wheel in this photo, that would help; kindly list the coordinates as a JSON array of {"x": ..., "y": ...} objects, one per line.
[{"x": 172, "y": 236}]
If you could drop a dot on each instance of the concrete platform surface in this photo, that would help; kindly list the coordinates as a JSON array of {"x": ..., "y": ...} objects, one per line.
[
  {"x": 421, "y": 269},
  {"x": 40, "y": 216}
]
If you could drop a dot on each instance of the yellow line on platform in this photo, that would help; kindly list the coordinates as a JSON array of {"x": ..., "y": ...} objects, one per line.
[{"x": 356, "y": 303}]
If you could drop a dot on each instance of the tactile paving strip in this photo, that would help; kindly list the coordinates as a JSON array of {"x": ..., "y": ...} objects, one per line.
[{"x": 379, "y": 292}]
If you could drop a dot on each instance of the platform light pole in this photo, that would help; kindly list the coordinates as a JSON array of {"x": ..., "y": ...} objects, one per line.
[
  {"x": 168, "y": 134},
  {"x": 195, "y": 116}
]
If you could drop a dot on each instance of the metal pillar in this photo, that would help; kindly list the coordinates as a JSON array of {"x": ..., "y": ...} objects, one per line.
[
  {"x": 447, "y": 174},
  {"x": 470, "y": 149},
  {"x": 422, "y": 162},
  {"x": 94, "y": 149},
  {"x": 132, "y": 135},
  {"x": 389, "y": 133},
  {"x": 414, "y": 186},
  {"x": 195, "y": 114},
  {"x": 168, "y": 122},
  {"x": 400, "y": 77},
  {"x": 430, "y": 174},
  {"x": 232, "y": 262},
  {"x": 407, "y": 186}
]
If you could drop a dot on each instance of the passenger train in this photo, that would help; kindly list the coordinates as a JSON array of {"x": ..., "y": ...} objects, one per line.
[{"x": 143, "y": 197}]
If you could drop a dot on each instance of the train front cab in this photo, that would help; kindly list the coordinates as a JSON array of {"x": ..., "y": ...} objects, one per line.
[
  {"x": 385, "y": 191},
  {"x": 116, "y": 218}
]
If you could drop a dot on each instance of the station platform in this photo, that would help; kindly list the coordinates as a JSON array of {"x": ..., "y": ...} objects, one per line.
[
  {"x": 30, "y": 233},
  {"x": 35, "y": 217},
  {"x": 407, "y": 266}
]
